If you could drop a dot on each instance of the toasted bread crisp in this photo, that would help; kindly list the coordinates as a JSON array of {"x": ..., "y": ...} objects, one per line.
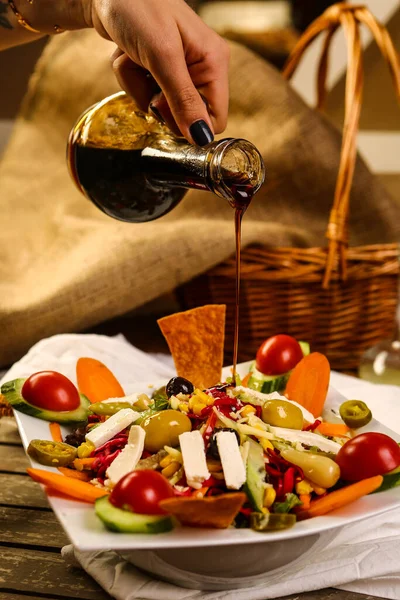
[
  {"x": 217, "y": 512},
  {"x": 196, "y": 341}
]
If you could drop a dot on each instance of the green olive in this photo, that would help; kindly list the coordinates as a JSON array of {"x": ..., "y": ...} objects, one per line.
[
  {"x": 164, "y": 428},
  {"x": 281, "y": 413}
]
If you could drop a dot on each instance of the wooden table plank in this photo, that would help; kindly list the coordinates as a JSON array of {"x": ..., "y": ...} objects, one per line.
[
  {"x": 30, "y": 527},
  {"x": 13, "y": 459},
  {"x": 12, "y": 596},
  {"x": 9, "y": 431},
  {"x": 36, "y": 572},
  {"x": 20, "y": 490}
]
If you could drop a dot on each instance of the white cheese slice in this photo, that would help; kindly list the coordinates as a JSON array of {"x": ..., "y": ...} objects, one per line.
[
  {"x": 194, "y": 458},
  {"x": 116, "y": 423},
  {"x": 231, "y": 460},
  {"x": 129, "y": 456},
  {"x": 307, "y": 438}
]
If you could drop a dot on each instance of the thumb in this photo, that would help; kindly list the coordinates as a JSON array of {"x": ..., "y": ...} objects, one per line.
[{"x": 185, "y": 102}]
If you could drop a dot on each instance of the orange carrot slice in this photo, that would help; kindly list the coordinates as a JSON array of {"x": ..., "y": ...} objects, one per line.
[
  {"x": 80, "y": 490},
  {"x": 246, "y": 379},
  {"x": 340, "y": 498},
  {"x": 55, "y": 432},
  {"x": 333, "y": 429},
  {"x": 83, "y": 464},
  {"x": 96, "y": 381},
  {"x": 306, "y": 500},
  {"x": 74, "y": 474},
  {"x": 309, "y": 381}
]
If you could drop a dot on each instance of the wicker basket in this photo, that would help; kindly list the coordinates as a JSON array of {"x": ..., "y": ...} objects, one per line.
[{"x": 341, "y": 300}]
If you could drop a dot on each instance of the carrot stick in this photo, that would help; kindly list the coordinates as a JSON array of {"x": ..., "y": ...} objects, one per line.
[
  {"x": 83, "y": 464},
  {"x": 55, "y": 432},
  {"x": 74, "y": 474},
  {"x": 80, "y": 490},
  {"x": 309, "y": 381},
  {"x": 333, "y": 429},
  {"x": 306, "y": 500},
  {"x": 96, "y": 381},
  {"x": 246, "y": 379},
  {"x": 340, "y": 498}
]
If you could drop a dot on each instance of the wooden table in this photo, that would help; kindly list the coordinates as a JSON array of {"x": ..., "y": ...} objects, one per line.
[{"x": 31, "y": 566}]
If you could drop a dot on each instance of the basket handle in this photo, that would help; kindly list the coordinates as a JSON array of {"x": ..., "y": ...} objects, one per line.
[{"x": 350, "y": 17}]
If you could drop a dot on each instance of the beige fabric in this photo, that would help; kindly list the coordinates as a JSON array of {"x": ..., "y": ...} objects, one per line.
[{"x": 65, "y": 266}]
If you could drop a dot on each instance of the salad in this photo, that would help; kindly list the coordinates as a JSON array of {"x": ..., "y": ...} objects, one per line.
[{"x": 246, "y": 453}]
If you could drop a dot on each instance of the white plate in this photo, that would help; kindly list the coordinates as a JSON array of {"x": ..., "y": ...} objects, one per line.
[{"x": 87, "y": 532}]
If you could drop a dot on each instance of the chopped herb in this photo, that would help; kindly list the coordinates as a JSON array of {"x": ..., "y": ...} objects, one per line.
[
  {"x": 290, "y": 502},
  {"x": 160, "y": 400}
]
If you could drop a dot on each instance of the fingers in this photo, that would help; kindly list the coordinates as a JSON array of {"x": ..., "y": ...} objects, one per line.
[
  {"x": 188, "y": 110},
  {"x": 133, "y": 79}
]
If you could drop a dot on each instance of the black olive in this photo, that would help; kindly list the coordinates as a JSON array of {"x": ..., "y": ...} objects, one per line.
[
  {"x": 179, "y": 385},
  {"x": 77, "y": 437},
  {"x": 213, "y": 447}
]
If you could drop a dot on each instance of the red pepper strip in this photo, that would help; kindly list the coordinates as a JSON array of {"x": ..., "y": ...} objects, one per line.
[
  {"x": 279, "y": 488},
  {"x": 246, "y": 511},
  {"x": 272, "y": 472},
  {"x": 106, "y": 462},
  {"x": 212, "y": 419},
  {"x": 116, "y": 441},
  {"x": 187, "y": 492},
  {"x": 312, "y": 426},
  {"x": 258, "y": 411},
  {"x": 288, "y": 481},
  {"x": 213, "y": 482},
  {"x": 145, "y": 454}
]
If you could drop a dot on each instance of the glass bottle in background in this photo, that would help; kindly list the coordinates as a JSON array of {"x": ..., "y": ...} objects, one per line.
[
  {"x": 381, "y": 363},
  {"x": 133, "y": 169}
]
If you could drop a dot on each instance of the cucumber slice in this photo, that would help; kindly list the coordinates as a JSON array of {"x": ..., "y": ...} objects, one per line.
[
  {"x": 255, "y": 476},
  {"x": 12, "y": 393},
  {"x": 124, "y": 521}
]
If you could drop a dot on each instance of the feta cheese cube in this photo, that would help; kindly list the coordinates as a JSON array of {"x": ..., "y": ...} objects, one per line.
[
  {"x": 129, "y": 456},
  {"x": 194, "y": 458},
  {"x": 231, "y": 460},
  {"x": 116, "y": 423}
]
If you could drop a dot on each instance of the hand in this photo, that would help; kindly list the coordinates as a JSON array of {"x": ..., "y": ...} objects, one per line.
[{"x": 163, "y": 45}]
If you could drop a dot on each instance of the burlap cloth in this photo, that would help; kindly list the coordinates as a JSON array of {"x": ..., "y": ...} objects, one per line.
[{"x": 65, "y": 266}]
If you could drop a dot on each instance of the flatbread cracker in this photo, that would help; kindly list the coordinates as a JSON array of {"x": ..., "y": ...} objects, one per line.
[
  {"x": 196, "y": 341},
  {"x": 214, "y": 511}
]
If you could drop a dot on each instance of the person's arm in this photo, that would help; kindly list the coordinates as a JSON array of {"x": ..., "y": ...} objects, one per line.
[{"x": 162, "y": 45}]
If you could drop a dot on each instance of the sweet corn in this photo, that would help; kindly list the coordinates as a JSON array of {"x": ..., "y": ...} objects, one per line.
[
  {"x": 171, "y": 469},
  {"x": 166, "y": 461},
  {"x": 318, "y": 490},
  {"x": 184, "y": 407},
  {"x": 85, "y": 449},
  {"x": 265, "y": 510},
  {"x": 266, "y": 444},
  {"x": 201, "y": 395},
  {"x": 303, "y": 487},
  {"x": 210, "y": 400},
  {"x": 197, "y": 408},
  {"x": 247, "y": 410},
  {"x": 269, "y": 497}
]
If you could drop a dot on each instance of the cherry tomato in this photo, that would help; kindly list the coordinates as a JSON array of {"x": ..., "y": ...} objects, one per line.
[
  {"x": 366, "y": 455},
  {"x": 141, "y": 491},
  {"x": 278, "y": 354},
  {"x": 51, "y": 391}
]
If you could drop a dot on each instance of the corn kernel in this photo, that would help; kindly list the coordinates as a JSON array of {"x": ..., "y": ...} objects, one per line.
[
  {"x": 197, "y": 408},
  {"x": 192, "y": 401},
  {"x": 303, "y": 487},
  {"x": 166, "y": 461},
  {"x": 266, "y": 444},
  {"x": 184, "y": 407},
  {"x": 210, "y": 400},
  {"x": 269, "y": 497},
  {"x": 265, "y": 510},
  {"x": 85, "y": 449},
  {"x": 201, "y": 395},
  {"x": 318, "y": 490},
  {"x": 247, "y": 410},
  {"x": 171, "y": 469}
]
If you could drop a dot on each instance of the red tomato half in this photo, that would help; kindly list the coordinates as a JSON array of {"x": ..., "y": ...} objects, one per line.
[
  {"x": 51, "y": 391},
  {"x": 141, "y": 491},
  {"x": 367, "y": 455},
  {"x": 278, "y": 354}
]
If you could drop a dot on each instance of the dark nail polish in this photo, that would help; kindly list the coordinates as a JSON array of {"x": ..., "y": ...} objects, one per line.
[
  {"x": 156, "y": 113},
  {"x": 201, "y": 133}
]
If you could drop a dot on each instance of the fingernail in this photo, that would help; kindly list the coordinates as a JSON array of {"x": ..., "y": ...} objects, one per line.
[
  {"x": 201, "y": 133},
  {"x": 156, "y": 113}
]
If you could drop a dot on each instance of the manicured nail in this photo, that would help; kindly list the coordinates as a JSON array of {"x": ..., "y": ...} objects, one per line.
[
  {"x": 201, "y": 133},
  {"x": 156, "y": 113}
]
